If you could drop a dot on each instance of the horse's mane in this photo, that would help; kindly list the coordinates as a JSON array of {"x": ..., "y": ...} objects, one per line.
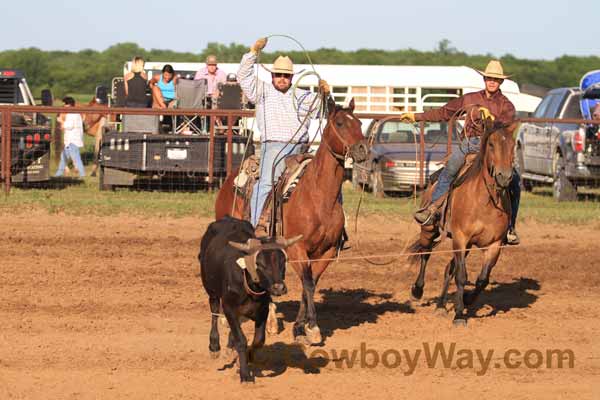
[{"x": 477, "y": 165}]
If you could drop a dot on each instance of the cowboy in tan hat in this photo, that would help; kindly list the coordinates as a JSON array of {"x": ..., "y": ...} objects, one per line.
[
  {"x": 492, "y": 104},
  {"x": 281, "y": 116}
]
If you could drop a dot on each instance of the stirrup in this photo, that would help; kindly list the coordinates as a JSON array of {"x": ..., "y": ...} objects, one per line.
[
  {"x": 261, "y": 230},
  {"x": 430, "y": 218}
]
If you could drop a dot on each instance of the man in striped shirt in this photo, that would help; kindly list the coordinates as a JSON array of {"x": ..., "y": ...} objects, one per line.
[{"x": 282, "y": 115}]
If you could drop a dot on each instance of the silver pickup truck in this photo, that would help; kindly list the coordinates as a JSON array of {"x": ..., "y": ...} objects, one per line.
[{"x": 565, "y": 155}]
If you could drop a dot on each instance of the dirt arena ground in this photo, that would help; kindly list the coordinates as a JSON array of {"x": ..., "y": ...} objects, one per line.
[{"x": 110, "y": 308}]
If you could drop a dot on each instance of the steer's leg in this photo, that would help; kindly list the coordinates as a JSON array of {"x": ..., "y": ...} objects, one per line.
[
  {"x": 214, "y": 346},
  {"x": 241, "y": 343},
  {"x": 259, "y": 329}
]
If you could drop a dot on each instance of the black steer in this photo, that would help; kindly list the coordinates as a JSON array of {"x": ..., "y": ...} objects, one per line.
[{"x": 240, "y": 273}]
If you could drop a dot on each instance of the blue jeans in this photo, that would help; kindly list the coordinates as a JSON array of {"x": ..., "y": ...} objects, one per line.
[
  {"x": 455, "y": 162},
  {"x": 271, "y": 153},
  {"x": 70, "y": 151},
  {"x": 515, "y": 197}
]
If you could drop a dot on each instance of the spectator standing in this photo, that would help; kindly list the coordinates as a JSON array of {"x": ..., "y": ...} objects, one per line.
[{"x": 72, "y": 124}]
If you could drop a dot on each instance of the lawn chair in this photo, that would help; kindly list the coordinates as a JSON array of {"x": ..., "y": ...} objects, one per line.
[{"x": 190, "y": 94}]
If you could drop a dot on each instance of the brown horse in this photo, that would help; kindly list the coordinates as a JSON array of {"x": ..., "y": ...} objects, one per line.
[
  {"x": 314, "y": 210},
  {"x": 94, "y": 126},
  {"x": 477, "y": 215}
]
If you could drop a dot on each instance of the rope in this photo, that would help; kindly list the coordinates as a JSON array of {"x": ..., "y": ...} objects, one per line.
[{"x": 403, "y": 254}]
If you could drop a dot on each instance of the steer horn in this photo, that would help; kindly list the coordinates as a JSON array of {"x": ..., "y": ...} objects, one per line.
[
  {"x": 251, "y": 246},
  {"x": 287, "y": 242}
]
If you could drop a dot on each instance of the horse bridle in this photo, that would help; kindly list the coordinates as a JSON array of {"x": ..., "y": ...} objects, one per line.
[{"x": 341, "y": 157}]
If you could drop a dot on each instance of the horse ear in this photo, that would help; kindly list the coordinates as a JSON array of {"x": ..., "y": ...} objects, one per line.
[
  {"x": 489, "y": 124},
  {"x": 512, "y": 128},
  {"x": 330, "y": 105},
  {"x": 351, "y": 105}
]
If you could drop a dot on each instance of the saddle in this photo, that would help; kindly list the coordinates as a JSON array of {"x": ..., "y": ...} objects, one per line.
[
  {"x": 444, "y": 208},
  {"x": 244, "y": 183}
]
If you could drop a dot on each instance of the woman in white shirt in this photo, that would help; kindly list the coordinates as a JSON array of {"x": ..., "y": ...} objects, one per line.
[{"x": 73, "y": 139}]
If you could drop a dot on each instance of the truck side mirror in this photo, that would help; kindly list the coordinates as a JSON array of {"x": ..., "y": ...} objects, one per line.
[
  {"x": 47, "y": 98},
  {"x": 101, "y": 94}
]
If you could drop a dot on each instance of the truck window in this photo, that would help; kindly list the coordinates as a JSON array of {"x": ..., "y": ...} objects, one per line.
[
  {"x": 572, "y": 109},
  {"x": 541, "y": 108},
  {"x": 554, "y": 106}
]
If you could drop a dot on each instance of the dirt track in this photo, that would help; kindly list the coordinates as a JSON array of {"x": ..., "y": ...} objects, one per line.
[{"x": 112, "y": 308}]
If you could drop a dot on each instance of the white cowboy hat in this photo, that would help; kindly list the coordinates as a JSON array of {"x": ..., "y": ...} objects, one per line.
[
  {"x": 283, "y": 65},
  {"x": 494, "y": 70}
]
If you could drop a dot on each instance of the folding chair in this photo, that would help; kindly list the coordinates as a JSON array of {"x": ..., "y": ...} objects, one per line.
[{"x": 190, "y": 94}]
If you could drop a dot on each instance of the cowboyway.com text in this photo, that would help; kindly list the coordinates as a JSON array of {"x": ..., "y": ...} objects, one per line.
[{"x": 441, "y": 355}]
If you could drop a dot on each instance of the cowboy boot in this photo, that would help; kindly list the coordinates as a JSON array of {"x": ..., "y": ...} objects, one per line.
[{"x": 429, "y": 214}]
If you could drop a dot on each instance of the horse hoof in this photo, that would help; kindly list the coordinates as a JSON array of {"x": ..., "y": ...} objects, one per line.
[
  {"x": 416, "y": 293},
  {"x": 313, "y": 334},
  {"x": 214, "y": 354},
  {"x": 441, "y": 312},
  {"x": 460, "y": 322}
]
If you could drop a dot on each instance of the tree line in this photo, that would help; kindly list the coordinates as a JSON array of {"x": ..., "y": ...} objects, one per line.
[{"x": 67, "y": 72}]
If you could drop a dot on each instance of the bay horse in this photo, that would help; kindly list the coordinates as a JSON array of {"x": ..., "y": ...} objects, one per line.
[
  {"x": 478, "y": 214},
  {"x": 94, "y": 126},
  {"x": 313, "y": 210}
]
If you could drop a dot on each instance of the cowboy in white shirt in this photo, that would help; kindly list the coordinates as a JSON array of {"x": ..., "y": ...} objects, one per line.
[{"x": 283, "y": 126}]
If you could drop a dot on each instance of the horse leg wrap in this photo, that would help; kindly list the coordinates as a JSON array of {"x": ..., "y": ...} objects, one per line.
[
  {"x": 313, "y": 334},
  {"x": 272, "y": 323}
]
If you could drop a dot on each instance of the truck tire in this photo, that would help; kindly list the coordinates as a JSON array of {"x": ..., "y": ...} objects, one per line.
[
  {"x": 376, "y": 181},
  {"x": 101, "y": 184},
  {"x": 562, "y": 188},
  {"x": 525, "y": 183}
]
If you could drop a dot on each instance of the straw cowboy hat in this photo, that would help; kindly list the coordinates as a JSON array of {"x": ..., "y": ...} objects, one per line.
[
  {"x": 211, "y": 60},
  {"x": 494, "y": 70},
  {"x": 283, "y": 65}
]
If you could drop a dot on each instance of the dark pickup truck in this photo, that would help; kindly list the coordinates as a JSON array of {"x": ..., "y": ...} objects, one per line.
[
  {"x": 30, "y": 133},
  {"x": 565, "y": 155}
]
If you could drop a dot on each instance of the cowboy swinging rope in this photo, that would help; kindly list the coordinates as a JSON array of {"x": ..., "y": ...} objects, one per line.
[{"x": 311, "y": 109}]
